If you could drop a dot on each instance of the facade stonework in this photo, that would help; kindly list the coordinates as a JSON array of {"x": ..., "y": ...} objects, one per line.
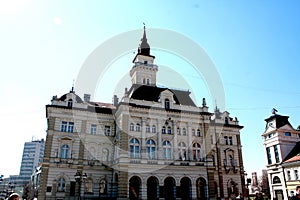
[{"x": 153, "y": 144}]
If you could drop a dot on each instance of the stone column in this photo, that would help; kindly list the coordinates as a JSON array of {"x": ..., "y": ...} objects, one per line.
[
  {"x": 143, "y": 139},
  {"x": 175, "y": 142},
  {"x": 189, "y": 145}
]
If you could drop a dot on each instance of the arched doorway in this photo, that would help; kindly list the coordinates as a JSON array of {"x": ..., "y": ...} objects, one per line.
[
  {"x": 152, "y": 188},
  {"x": 201, "y": 188},
  {"x": 134, "y": 188},
  {"x": 185, "y": 188},
  {"x": 169, "y": 188}
]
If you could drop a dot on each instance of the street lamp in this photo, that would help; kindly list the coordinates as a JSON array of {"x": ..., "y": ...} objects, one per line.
[{"x": 79, "y": 178}]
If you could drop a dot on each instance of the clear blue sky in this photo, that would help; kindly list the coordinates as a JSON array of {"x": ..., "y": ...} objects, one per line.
[{"x": 255, "y": 46}]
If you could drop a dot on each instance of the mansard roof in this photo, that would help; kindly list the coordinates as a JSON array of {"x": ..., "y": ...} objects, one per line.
[
  {"x": 280, "y": 120},
  {"x": 294, "y": 154},
  {"x": 64, "y": 97},
  {"x": 152, "y": 93}
]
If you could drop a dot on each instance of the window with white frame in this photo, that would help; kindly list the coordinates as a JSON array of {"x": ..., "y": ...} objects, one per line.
[
  {"x": 153, "y": 129},
  {"x": 131, "y": 127},
  {"x": 137, "y": 127},
  {"x": 64, "y": 151},
  {"x": 151, "y": 149},
  {"x": 167, "y": 150},
  {"x": 147, "y": 128},
  {"x": 183, "y": 131},
  {"x": 182, "y": 151},
  {"x": 71, "y": 127},
  {"x": 163, "y": 130},
  {"x": 107, "y": 130},
  {"x": 93, "y": 129},
  {"x": 61, "y": 185},
  {"x": 169, "y": 130},
  {"x": 198, "y": 133},
  {"x": 193, "y": 132},
  {"x": 196, "y": 151},
  {"x": 64, "y": 125},
  {"x": 134, "y": 148}
]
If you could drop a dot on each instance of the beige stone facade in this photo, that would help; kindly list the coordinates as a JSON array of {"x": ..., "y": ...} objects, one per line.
[{"x": 153, "y": 144}]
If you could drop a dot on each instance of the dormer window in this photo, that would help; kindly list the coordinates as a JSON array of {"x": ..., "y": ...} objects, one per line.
[
  {"x": 144, "y": 81},
  {"x": 167, "y": 104},
  {"x": 70, "y": 103}
]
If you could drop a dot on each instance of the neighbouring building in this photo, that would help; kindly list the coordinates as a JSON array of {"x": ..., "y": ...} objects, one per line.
[
  {"x": 282, "y": 147},
  {"x": 155, "y": 143},
  {"x": 33, "y": 153}
]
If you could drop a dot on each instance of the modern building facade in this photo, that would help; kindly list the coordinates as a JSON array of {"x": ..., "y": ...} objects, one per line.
[
  {"x": 33, "y": 153},
  {"x": 156, "y": 143},
  {"x": 280, "y": 142}
]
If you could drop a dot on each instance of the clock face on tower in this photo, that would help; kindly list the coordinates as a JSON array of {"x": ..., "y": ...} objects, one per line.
[{"x": 270, "y": 124}]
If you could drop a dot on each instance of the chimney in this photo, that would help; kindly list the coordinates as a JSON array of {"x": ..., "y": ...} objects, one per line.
[
  {"x": 87, "y": 97},
  {"x": 115, "y": 100}
]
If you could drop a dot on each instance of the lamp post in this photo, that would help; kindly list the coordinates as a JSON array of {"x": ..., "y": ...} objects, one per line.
[{"x": 79, "y": 178}]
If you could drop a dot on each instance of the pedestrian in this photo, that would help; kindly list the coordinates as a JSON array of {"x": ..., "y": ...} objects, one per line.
[
  {"x": 297, "y": 196},
  {"x": 14, "y": 196},
  {"x": 259, "y": 196}
]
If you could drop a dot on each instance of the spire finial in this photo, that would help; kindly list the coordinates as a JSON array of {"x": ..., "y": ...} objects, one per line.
[{"x": 72, "y": 90}]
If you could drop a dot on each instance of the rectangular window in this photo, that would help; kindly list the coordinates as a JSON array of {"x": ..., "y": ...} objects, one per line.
[
  {"x": 276, "y": 154},
  {"x": 230, "y": 140},
  {"x": 296, "y": 174},
  {"x": 107, "y": 130},
  {"x": 269, "y": 155},
  {"x": 288, "y": 175},
  {"x": 226, "y": 140},
  {"x": 63, "y": 126},
  {"x": 93, "y": 130},
  {"x": 71, "y": 127}
]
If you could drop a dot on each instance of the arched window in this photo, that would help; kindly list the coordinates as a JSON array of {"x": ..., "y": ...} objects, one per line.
[
  {"x": 61, "y": 185},
  {"x": 151, "y": 149},
  {"x": 153, "y": 129},
  {"x": 134, "y": 148},
  {"x": 183, "y": 131},
  {"x": 163, "y": 130},
  {"x": 148, "y": 81},
  {"x": 138, "y": 127},
  {"x": 64, "y": 151},
  {"x": 178, "y": 131},
  {"x": 131, "y": 127},
  {"x": 169, "y": 131},
  {"x": 276, "y": 180},
  {"x": 167, "y": 150},
  {"x": 182, "y": 151},
  {"x": 167, "y": 104},
  {"x": 198, "y": 133},
  {"x": 196, "y": 151},
  {"x": 148, "y": 129}
]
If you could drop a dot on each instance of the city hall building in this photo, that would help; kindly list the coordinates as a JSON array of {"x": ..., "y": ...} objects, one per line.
[{"x": 155, "y": 143}]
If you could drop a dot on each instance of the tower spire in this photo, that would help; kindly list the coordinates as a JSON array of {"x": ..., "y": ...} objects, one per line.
[{"x": 144, "y": 48}]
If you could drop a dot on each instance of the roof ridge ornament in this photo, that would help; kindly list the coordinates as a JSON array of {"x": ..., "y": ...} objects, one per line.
[{"x": 274, "y": 111}]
